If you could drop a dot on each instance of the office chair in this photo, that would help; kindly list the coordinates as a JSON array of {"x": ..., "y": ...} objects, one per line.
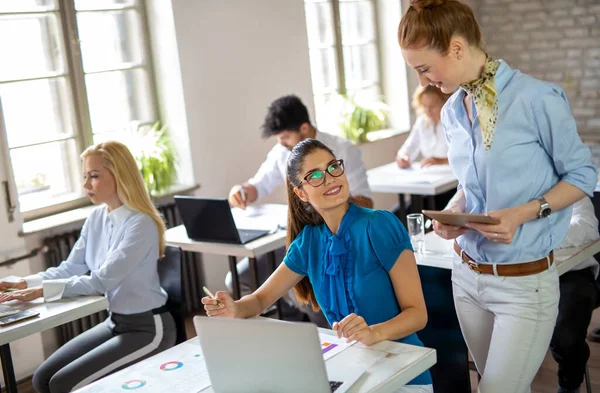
[{"x": 169, "y": 273}]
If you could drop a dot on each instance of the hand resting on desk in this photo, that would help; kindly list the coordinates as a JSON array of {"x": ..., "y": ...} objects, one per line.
[{"x": 24, "y": 295}]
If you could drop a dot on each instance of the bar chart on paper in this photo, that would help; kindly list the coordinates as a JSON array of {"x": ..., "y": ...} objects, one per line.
[{"x": 331, "y": 345}]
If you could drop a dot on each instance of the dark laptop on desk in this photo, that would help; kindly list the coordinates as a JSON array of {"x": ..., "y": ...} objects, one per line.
[{"x": 210, "y": 220}]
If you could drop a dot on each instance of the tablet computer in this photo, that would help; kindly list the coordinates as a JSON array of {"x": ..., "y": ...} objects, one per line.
[
  {"x": 18, "y": 317},
  {"x": 459, "y": 219}
]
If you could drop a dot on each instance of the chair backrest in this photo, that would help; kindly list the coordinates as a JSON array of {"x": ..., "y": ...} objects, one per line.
[{"x": 169, "y": 273}]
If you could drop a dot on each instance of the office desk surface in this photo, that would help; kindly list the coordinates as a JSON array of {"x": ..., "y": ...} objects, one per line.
[
  {"x": 432, "y": 180},
  {"x": 51, "y": 315},
  {"x": 389, "y": 365},
  {"x": 177, "y": 236},
  {"x": 439, "y": 253}
]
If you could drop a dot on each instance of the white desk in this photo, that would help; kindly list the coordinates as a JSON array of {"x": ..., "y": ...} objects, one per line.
[
  {"x": 51, "y": 315},
  {"x": 439, "y": 253},
  {"x": 389, "y": 365},
  {"x": 432, "y": 180},
  {"x": 256, "y": 217}
]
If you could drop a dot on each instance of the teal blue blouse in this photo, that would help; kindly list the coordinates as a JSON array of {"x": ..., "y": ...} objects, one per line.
[{"x": 349, "y": 272}]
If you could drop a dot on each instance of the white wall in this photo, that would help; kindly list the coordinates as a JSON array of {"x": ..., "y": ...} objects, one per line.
[{"x": 236, "y": 57}]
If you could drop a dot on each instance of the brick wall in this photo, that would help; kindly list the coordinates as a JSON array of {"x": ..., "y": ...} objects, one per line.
[{"x": 553, "y": 40}]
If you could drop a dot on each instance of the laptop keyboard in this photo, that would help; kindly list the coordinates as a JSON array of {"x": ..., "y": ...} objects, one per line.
[
  {"x": 334, "y": 385},
  {"x": 247, "y": 235}
]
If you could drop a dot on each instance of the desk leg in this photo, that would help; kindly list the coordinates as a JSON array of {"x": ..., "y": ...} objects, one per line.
[
  {"x": 401, "y": 213},
  {"x": 254, "y": 270},
  {"x": 235, "y": 279},
  {"x": 273, "y": 267},
  {"x": 8, "y": 369}
]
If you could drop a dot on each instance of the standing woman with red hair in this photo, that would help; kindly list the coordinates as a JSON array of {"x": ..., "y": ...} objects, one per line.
[{"x": 514, "y": 147}]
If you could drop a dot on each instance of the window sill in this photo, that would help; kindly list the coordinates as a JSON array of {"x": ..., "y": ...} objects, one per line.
[
  {"x": 78, "y": 216},
  {"x": 375, "y": 136}
]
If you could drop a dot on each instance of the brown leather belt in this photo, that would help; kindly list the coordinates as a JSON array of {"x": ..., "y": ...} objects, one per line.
[{"x": 514, "y": 270}]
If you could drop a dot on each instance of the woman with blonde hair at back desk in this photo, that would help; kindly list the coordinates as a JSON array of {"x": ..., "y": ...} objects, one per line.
[
  {"x": 515, "y": 150},
  {"x": 427, "y": 138},
  {"x": 120, "y": 244}
]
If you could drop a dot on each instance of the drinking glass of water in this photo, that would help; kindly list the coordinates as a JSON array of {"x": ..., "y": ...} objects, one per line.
[{"x": 416, "y": 231}]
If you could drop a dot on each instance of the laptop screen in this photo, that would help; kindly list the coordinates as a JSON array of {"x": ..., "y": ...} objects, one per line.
[{"x": 207, "y": 219}]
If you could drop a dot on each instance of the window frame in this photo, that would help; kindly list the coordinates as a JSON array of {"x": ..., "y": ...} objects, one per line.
[
  {"x": 338, "y": 46},
  {"x": 76, "y": 90}
]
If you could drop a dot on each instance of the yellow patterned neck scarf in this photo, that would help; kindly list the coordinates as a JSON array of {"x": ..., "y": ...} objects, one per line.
[{"x": 483, "y": 91}]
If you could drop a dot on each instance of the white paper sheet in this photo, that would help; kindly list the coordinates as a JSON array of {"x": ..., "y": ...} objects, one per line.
[
  {"x": 267, "y": 217},
  {"x": 180, "y": 369},
  {"x": 331, "y": 345}
]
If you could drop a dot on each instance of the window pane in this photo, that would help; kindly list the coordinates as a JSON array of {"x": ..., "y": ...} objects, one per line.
[
  {"x": 33, "y": 49},
  {"x": 117, "y": 98},
  {"x": 36, "y": 111},
  {"x": 102, "y": 4},
  {"x": 360, "y": 65},
  {"x": 319, "y": 24},
  {"x": 365, "y": 95},
  {"x": 44, "y": 172},
  {"x": 110, "y": 40},
  {"x": 323, "y": 71},
  {"x": 27, "y": 5},
  {"x": 357, "y": 22}
]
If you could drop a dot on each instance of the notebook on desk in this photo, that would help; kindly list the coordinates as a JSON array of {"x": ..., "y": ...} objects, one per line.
[
  {"x": 254, "y": 355},
  {"x": 210, "y": 220}
]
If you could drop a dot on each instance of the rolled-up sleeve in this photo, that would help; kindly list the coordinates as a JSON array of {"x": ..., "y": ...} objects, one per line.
[{"x": 558, "y": 134}]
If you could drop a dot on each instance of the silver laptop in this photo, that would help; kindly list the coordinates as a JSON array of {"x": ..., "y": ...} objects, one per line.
[{"x": 257, "y": 355}]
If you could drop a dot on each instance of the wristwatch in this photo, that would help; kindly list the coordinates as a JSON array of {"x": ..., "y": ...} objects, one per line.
[{"x": 545, "y": 209}]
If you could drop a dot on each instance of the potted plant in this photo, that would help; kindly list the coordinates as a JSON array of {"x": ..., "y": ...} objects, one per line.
[
  {"x": 358, "y": 118},
  {"x": 156, "y": 157}
]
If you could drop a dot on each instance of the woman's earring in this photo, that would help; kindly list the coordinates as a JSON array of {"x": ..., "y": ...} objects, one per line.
[{"x": 458, "y": 57}]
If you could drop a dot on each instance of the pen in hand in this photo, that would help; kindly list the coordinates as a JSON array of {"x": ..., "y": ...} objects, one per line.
[{"x": 209, "y": 293}]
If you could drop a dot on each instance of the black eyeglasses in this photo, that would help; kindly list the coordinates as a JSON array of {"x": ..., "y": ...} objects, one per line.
[{"x": 317, "y": 178}]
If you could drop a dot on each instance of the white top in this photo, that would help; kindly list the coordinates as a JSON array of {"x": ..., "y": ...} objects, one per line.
[
  {"x": 273, "y": 171},
  {"x": 120, "y": 250},
  {"x": 583, "y": 229},
  {"x": 425, "y": 138}
]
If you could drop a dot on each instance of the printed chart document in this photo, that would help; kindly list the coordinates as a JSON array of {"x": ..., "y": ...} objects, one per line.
[
  {"x": 331, "y": 345},
  {"x": 180, "y": 369}
]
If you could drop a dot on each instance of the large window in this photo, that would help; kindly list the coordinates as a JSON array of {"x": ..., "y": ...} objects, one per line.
[
  {"x": 73, "y": 73},
  {"x": 344, "y": 55}
]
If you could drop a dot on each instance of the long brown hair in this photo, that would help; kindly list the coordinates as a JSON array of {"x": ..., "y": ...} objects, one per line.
[
  {"x": 432, "y": 23},
  {"x": 300, "y": 213}
]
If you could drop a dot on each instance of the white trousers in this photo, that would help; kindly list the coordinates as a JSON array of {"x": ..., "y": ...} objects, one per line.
[{"x": 507, "y": 323}]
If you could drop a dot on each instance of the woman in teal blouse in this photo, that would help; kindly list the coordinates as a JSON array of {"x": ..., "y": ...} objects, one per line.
[{"x": 353, "y": 263}]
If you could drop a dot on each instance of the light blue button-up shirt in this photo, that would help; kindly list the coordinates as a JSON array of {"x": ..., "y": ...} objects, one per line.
[
  {"x": 535, "y": 146},
  {"x": 120, "y": 250}
]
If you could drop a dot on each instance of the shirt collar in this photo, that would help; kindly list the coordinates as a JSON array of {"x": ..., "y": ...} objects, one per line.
[
  {"x": 118, "y": 216},
  {"x": 503, "y": 75}
]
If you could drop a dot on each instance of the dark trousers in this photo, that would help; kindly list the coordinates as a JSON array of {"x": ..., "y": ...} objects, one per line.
[{"x": 578, "y": 293}]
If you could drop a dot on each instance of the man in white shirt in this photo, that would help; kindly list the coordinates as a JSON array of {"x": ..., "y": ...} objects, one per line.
[
  {"x": 578, "y": 295},
  {"x": 287, "y": 119}
]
